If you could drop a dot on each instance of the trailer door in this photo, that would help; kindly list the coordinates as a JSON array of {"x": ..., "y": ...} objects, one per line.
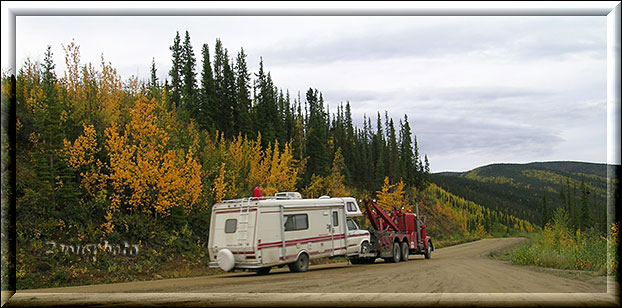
[{"x": 338, "y": 230}]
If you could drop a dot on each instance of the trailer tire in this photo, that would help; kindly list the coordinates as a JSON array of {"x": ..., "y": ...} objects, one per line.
[
  {"x": 404, "y": 249},
  {"x": 301, "y": 264},
  {"x": 397, "y": 253},
  {"x": 264, "y": 270},
  {"x": 428, "y": 252}
]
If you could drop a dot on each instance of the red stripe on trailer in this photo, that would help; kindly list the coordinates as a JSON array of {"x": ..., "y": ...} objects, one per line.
[
  {"x": 311, "y": 253},
  {"x": 306, "y": 240},
  {"x": 243, "y": 252}
]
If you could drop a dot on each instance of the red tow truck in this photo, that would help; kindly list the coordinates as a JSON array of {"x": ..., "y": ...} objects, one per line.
[{"x": 395, "y": 235}]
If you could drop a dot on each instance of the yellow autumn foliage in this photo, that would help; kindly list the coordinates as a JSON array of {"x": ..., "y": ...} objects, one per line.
[
  {"x": 81, "y": 152},
  {"x": 219, "y": 189},
  {"x": 276, "y": 171},
  {"x": 335, "y": 180},
  {"x": 145, "y": 175},
  {"x": 392, "y": 195},
  {"x": 316, "y": 187}
]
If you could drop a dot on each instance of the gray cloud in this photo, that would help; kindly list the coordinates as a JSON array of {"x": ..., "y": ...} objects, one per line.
[
  {"x": 476, "y": 89},
  {"x": 516, "y": 37},
  {"x": 476, "y": 138}
]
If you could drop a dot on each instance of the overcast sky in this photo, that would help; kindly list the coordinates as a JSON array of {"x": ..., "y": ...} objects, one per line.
[{"x": 477, "y": 90}]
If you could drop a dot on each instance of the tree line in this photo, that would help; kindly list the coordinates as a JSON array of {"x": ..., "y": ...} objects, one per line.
[
  {"x": 103, "y": 156},
  {"x": 575, "y": 201},
  {"x": 227, "y": 100}
]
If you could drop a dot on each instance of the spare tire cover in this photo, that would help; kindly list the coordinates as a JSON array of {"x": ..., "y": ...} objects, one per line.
[{"x": 225, "y": 259}]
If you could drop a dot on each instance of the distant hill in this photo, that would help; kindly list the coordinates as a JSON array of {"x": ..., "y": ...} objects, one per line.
[{"x": 518, "y": 189}]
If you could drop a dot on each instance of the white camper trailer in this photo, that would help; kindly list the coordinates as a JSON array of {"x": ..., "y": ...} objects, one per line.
[{"x": 256, "y": 234}]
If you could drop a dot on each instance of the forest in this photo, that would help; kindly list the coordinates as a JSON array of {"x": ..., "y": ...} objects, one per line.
[
  {"x": 533, "y": 191},
  {"x": 102, "y": 159}
]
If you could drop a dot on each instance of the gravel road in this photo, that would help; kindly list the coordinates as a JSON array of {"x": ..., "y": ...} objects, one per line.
[{"x": 464, "y": 268}]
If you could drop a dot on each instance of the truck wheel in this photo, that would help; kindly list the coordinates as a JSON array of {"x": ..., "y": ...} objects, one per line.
[
  {"x": 404, "y": 247},
  {"x": 301, "y": 264},
  {"x": 428, "y": 252},
  {"x": 263, "y": 270},
  {"x": 397, "y": 253},
  {"x": 365, "y": 247}
]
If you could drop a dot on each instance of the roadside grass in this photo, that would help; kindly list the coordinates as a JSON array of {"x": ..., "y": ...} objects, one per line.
[{"x": 558, "y": 246}]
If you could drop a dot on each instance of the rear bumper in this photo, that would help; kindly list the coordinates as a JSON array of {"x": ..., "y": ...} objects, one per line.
[{"x": 245, "y": 265}]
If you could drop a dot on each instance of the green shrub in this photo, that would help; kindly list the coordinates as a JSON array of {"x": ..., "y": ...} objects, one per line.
[{"x": 558, "y": 246}]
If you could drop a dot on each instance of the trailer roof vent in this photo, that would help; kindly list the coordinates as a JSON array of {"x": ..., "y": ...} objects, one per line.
[
  {"x": 288, "y": 195},
  {"x": 324, "y": 197}
]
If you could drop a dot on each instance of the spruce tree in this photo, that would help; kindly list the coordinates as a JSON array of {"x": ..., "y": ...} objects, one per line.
[
  {"x": 188, "y": 76},
  {"x": 418, "y": 178},
  {"x": 393, "y": 153},
  {"x": 208, "y": 110},
  {"x": 59, "y": 187},
  {"x": 221, "y": 98},
  {"x": 426, "y": 172},
  {"x": 317, "y": 136},
  {"x": 153, "y": 82},
  {"x": 546, "y": 215},
  {"x": 585, "y": 221},
  {"x": 228, "y": 100},
  {"x": 407, "y": 161},
  {"x": 379, "y": 149},
  {"x": 242, "y": 95},
  {"x": 175, "y": 72},
  {"x": 266, "y": 110}
]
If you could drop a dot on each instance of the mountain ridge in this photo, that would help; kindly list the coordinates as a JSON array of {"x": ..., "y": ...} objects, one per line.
[{"x": 520, "y": 188}]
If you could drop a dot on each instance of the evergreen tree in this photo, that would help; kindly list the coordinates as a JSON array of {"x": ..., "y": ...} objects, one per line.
[
  {"x": 426, "y": 172},
  {"x": 546, "y": 215},
  {"x": 228, "y": 100},
  {"x": 222, "y": 97},
  {"x": 154, "y": 86},
  {"x": 393, "y": 153},
  {"x": 189, "y": 103},
  {"x": 208, "y": 110},
  {"x": 175, "y": 72},
  {"x": 407, "y": 161},
  {"x": 317, "y": 137},
  {"x": 379, "y": 149},
  {"x": 154, "y": 77},
  {"x": 585, "y": 221},
  {"x": 59, "y": 187},
  {"x": 298, "y": 139},
  {"x": 266, "y": 110},
  {"x": 418, "y": 166},
  {"x": 241, "y": 111}
]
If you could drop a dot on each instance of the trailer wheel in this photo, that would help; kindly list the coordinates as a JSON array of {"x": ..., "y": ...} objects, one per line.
[
  {"x": 428, "y": 252},
  {"x": 404, "y": 247},
  {"x": 264, "y": 270},
  {"x": 397, "y": 253},
  {"x": 301, "y": 264}
]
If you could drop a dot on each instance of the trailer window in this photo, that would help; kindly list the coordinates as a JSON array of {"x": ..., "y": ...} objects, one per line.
[
  {"x": 231, "y": 225},
  {"x": 335, "y": 219},
  {"x": 296, "y": 222},
  {"x": 351, "y": 207}
]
